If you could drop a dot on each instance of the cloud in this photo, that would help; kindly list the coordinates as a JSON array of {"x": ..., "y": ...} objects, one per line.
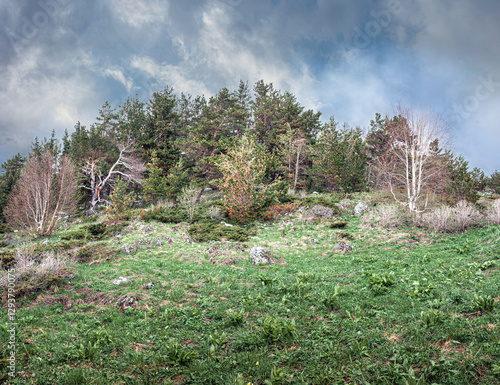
[{"x": 428, "y": 53}]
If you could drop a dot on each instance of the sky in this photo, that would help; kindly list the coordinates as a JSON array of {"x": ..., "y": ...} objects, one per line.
[{"x": 60, "y": 60}]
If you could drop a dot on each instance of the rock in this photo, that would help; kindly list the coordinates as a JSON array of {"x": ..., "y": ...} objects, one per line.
[
  {"x": 121, "y": 281},
  {"x": 125, "y": 302},
  {"x": 149, "y": 285},
  {"x": 259, "y": 255},
  {"x": 322, "y": 211},
  {"x": 360, "y": 209},
  {"x": 342, "y": 246}
]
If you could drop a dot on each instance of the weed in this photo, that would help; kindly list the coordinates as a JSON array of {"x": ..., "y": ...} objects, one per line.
[
  {"x": 177, "y": 354},
  {"x": 277, "y": 377},
  {"x": 235, "y": 317},
  {"x": 431, "y": 317},
  {"x": 278, "y": 329},
  {"x": 483, "y": 303}
]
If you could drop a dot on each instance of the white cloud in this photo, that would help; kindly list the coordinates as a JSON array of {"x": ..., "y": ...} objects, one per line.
[
  {"x": 139, "y": 14},
  {"x": 117, "y": 74}
]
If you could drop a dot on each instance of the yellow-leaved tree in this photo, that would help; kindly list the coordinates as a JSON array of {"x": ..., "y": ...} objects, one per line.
[{"x": 243, "y": 184}]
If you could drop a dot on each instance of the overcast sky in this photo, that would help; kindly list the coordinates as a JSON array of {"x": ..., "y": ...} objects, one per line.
[{"x": 62, "y": 59}]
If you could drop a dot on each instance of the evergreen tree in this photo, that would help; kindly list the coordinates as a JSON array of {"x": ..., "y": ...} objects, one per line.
[
  {"x": 339, "y": 158},
  {"x": 11, "y": 171},
  {"x": 493, "y": 182},
  {"x": 463, "y": 185},
  {"x": 161, "y": 129},
  {"x": 155, "y": 185}
]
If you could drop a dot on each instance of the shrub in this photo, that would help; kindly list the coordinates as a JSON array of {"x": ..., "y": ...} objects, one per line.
[
  {"x": 210, "y": 230},
  {"x": 465, "y": 215},
  {"x": 244, "y": 169},
  {"x": 189, "y": 198},
  {"x": 276, "y": 210},
  {"x": 7, "y": 258},
  {"x": 447, "y": 219},
  {"x": 80, "y": 233},
  {"x": 165, "y": 214},
  {"x": 215, "y": 213},
  {"x": 385, "y": 216},
  {"x": 439, "y": 220},
  {"x": 493, "y": 212},
  {"x": 121, "y": 203},
  {"x": 35, "y": 272}
]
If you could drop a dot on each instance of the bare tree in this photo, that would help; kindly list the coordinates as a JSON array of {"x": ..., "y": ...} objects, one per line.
[
  {"x": 414, "y": 168},
  {"x": 128, "y": 165},
  {"x": 45, "y": 190}
]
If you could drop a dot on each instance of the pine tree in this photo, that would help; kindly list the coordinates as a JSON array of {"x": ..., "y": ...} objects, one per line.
[{"x": 11, "y": 171}]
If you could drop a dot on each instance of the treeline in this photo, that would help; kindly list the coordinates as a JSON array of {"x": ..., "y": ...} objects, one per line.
[{"x": 240, "y": 142}]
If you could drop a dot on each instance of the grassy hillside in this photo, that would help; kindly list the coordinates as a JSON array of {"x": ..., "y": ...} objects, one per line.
[{"x": 405, "y": 303}]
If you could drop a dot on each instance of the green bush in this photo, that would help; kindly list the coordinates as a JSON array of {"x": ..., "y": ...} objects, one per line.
[
  {"x": 7, "y": 258},
  {"x": 210, "y": 230},
  {"x": 80, "y": 233},
  {"x": 166, "y": 215}
]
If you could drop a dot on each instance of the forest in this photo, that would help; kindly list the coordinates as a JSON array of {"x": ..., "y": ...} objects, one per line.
[{"x": 254, "y": 145}]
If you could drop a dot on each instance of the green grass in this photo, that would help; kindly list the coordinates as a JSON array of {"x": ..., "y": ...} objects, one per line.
[{"x": 403, "y": 303}]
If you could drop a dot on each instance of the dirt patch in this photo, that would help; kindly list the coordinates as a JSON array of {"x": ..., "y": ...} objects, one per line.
[
  {"x": 189, "y": 257},
  {"x": 448, "y": 347}
]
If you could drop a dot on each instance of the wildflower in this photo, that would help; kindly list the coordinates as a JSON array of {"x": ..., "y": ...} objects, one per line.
[{"x": 257, "y": 363}]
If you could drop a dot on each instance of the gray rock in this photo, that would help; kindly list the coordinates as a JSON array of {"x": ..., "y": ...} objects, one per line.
[
  {"x": 322, "y": 211},
  {"x": 125, "y": 302},
  {"x": 149, "y": 286},
  {"x": 342, "y": 247},
  {"x": 261, "y": 255},
  {"x": 360, "y": 209},
  {"x": 121, "y": 281}
]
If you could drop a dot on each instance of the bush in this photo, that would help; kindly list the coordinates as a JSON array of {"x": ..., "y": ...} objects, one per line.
[
  {"x": 35, "y": 272},
  {"x": 446, "y": 219},
  {"x": 439, "y": 220},
  {"x": 166, "y": 215},
  {"x": 7, "y": 258},
  {"x": 493, "y": 212},
  {"x": 210, "y": 230},
  {"x": 328, "y": 200},
  {"x": 244, "y": 170},
  {"x": 385, "y": 216}
]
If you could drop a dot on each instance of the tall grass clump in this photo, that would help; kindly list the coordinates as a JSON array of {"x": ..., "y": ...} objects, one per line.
[
  {"x": 33, "y": 272},
  {"x": 493, "y": 213},
  {"x": 448, "y": 219},
  {"x": 384, "y": 216}
]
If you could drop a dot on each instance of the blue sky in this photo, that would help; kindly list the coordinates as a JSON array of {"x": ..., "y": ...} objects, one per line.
[{"x": 62, "y": 59}]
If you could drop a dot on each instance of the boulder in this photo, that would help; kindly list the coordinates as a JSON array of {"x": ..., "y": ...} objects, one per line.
[
  {"x": 125, "y": 302},
  {"x": 360, "y": 209},
  {"x": 342, "y": 247},
  {"x": 259, "y": 255},
  {"x": 322, "y": 211},
  {"x": 121, "y": 281}
]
